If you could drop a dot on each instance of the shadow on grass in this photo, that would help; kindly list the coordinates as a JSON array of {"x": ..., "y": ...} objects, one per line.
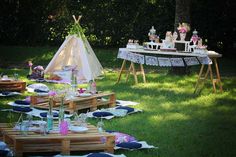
[
  {"x": 173, "y": 118},
  {"x": 178, "y": 122}
]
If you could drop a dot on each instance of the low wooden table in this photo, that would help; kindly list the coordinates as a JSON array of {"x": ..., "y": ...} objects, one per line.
[
  {"x": 77, "y": 103},
  {"x": 54, "y": 142},
  {"x": 12, "y": 85}
]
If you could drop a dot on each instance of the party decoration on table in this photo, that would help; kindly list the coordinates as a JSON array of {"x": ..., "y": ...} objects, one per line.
[
  {"x": 64, "y": 127},
  {"x": 191, "y": 61},
  {"x": 175, "y": 36},
  {"x": 194, "y": 37},
  {"x": 163, "y": 61},
  {"x": 133, "y": 44},
  {"x": 154, "y": 43},
  {"x": 150, "y": 60},
  {"x": 100, "y": 126},
  {"x": 200, "y": 48},
  {"x": 177, "y": 62},
  {"x": 137, "y": 58},
  {"x": 93, "y": 87},
  {"x": 168, "y": 42},
  {"x": 130, "y": 56},
  {"x": 152, "y": 46},
  {"x": 152, "y": 34},
  {"x": 122, "y": 53},
  {"x": 51, "y": 94},
  {"x": 205, "y": 60},
  {"x": 183, "y": 29}
]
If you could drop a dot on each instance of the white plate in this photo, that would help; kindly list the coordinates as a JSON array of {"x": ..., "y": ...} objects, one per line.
[
  {"x": 85, "y": 94},
  {"x": 78, "y": 129}
]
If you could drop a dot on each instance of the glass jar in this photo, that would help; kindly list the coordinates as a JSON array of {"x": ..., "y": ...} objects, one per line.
[
  {"x": 50, "y": 115},
  {"x": 61, "y": 111},
  {"x": 100, "y": 126},
  {"x": 24, "y": 128}
]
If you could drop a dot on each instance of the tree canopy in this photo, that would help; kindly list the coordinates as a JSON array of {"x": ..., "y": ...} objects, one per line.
[{"x": 112, "y": 22}]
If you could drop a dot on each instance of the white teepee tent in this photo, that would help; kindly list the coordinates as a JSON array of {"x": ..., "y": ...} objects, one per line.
[{"x": 76, "y": 52}]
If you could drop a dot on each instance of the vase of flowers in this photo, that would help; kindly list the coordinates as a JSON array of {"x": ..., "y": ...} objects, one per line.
[
  {"x": 62, "y": 96},
  {"x": 50, "y": 114},
  {"x": 183, "y": 29}
]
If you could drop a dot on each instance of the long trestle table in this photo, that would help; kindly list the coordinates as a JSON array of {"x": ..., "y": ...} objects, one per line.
[{"x": 202, "y": 76}]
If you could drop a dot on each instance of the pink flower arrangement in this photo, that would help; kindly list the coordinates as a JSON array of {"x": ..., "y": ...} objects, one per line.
[
  {"x": 30, "y": 63},
  {"x": 183, "y": 28},
  {"x": 52, "y": 93},
  {"x": 194, "y": 39}
]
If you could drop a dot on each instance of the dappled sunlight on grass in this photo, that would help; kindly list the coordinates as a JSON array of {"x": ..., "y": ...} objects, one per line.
[
  {"x": 169, "y": 117},
  {"x": 166, "y": 106},
  {"x": 175, "y": 119}
]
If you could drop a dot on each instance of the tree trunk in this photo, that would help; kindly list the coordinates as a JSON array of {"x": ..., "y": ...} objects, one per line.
[{"x": 182, "y": 14}]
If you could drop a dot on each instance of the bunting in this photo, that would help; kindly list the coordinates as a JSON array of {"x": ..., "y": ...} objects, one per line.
[{"x": 162, "y": 61}]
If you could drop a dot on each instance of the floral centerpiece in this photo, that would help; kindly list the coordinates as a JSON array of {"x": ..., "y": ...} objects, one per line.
[{"x": 183, "y": 29}]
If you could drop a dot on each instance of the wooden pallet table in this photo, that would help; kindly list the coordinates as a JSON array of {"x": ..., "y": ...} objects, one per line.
[
  {"x": 55, "y": 142},
  {"x": 77, "y": 103},
  {"x": 12, "y": 85}
]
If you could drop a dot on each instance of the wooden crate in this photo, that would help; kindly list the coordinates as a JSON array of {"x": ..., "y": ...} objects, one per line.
[
  {"x": 19, "y": 86},
  {"x": 54, "y": 142},
  {"x": 77, "y": 103}
]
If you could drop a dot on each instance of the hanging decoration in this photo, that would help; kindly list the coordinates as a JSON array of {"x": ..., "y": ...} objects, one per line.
[{"x": 162, "y": 61}]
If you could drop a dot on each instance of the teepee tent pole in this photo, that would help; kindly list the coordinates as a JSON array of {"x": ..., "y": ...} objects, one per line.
[{"x": 78, "y": 19}]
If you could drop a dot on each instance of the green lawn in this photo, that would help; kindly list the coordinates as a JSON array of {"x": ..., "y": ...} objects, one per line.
[{"x": 174, "y": 119}]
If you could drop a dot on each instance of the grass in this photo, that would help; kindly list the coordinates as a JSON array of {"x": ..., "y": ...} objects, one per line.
[{"x": 179, "y": 122}]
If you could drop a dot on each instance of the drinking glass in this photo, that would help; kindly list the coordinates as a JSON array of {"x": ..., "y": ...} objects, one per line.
[
  {"x": 100, "y": 126},
  {"x": 83, "y": 120},
  {"x": 24, "y": 128},
  {"x": 43, "y": 128}
]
